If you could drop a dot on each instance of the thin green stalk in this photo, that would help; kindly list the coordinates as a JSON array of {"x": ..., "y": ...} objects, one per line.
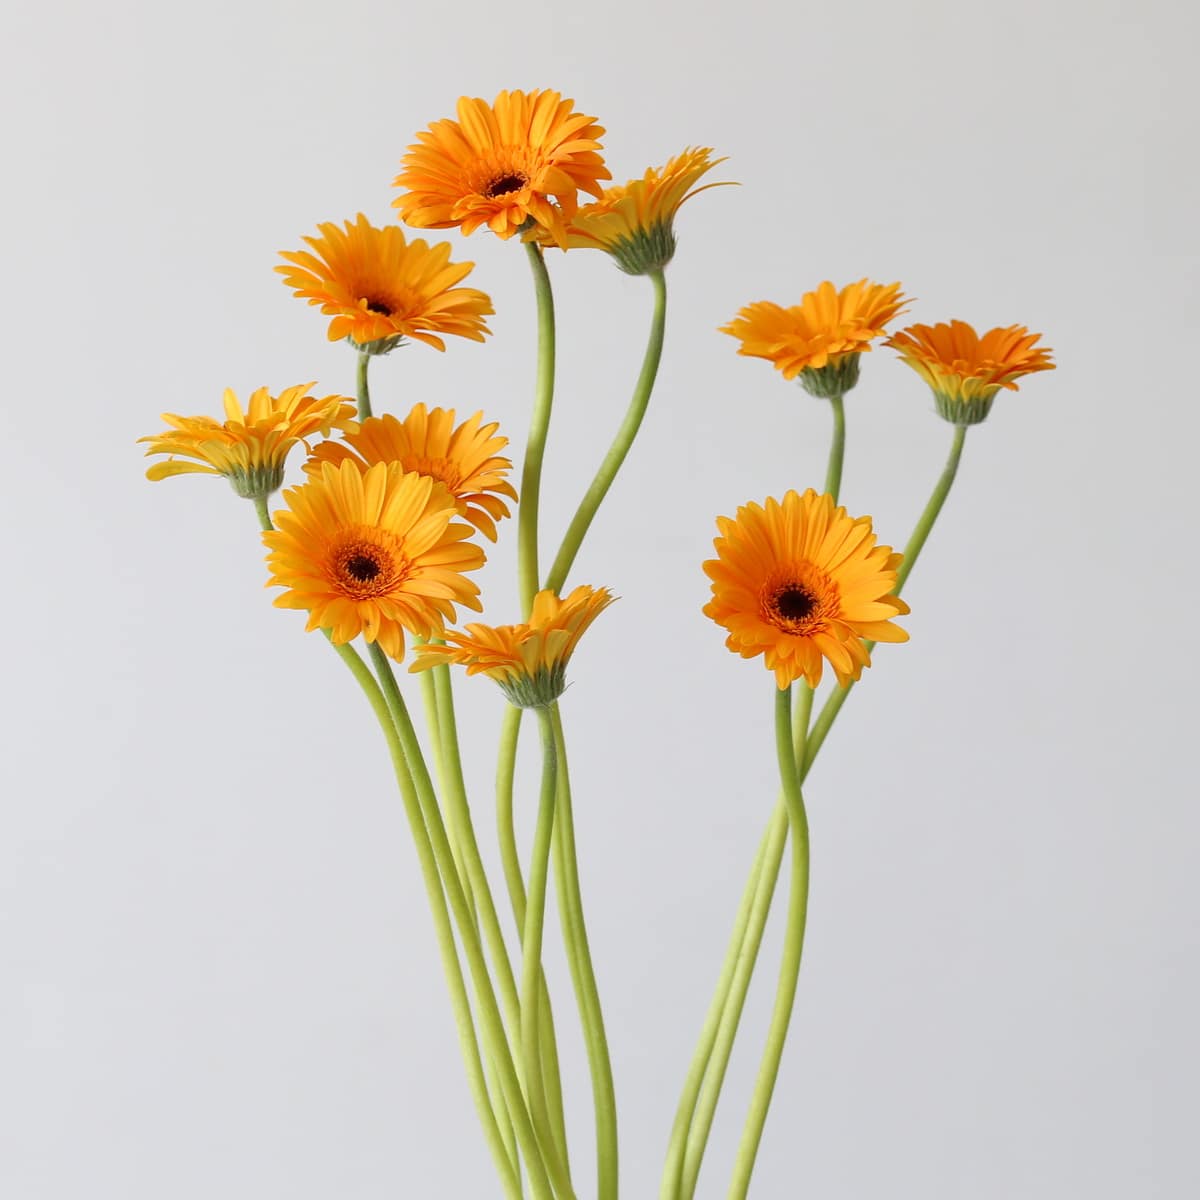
[
  {"x": 546, "y": 1177},
  {"x": 617, "y": 452},
  {"x": 361, "y": 385},
  {"x": 435, "y": 689},
  {"x": 745, "y": 957},
  {"x": 583, "y": 975},
  {"x": 515, "y": 880},
  {"x": 264, "y": 516},
  {"x": 531, "y": 935},
  {"x": 459, "y": 1001},
  {"x": 539, "y": 425},
  {"x": 793, "y": 949},
  {"x": 837, "y": 450},
  {"x": 912, "y": 550}
]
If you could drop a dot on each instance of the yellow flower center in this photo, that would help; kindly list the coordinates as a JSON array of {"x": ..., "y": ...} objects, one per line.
[
  {"x": 800, "y": 600},
  {"x": 361, "y": 567}
]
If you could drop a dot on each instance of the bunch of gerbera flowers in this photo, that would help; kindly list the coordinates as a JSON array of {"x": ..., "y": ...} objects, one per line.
[{"x": 381, "y": 540}]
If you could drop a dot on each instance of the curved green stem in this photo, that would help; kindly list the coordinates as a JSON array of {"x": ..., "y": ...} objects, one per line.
[
  {"x": 539, "y": 425},
  {"x": 912, "y": 550},
  {"x": 546, "y": 1176},
  {"x": 697, "y": 1070},
  {"x": 514, "y": 878},
  {"x": 362, "y": 387},
  {"x": 837, "y": 449},
  {"x": 459, "y": 1001},
  {"x": 264, "y": 516},
  {"x": 583, "y": 975},
  {"x": 793, "y": 949},
  {"x": 531, "y": 936},
  {"x": 617, "y": 452}
]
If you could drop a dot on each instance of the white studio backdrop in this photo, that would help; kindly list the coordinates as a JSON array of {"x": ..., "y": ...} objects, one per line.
[{"x": 217, "y": 972}]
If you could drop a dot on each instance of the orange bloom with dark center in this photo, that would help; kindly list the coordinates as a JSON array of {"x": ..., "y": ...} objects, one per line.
[
  {"x": 523, "y": 158},
  {"x": 465, "y": 459},
  {"x": 375, "y": 285},
  {"x": 801, "y": 582},
  {"x": 373, "y": 552}
]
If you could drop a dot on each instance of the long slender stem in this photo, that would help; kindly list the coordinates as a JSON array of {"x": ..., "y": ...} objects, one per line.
[
  {"x": 793, "y": 949},
  {"x": 912, "y": 550},
  {"x": 515, "y": 880},
  {"x": 583, "y": 976},
  {"x": 621, "y": 444},
  {"x": 539, "y": 425},
  {"x": 361, "y": 385},
  {"x": 546, "y": 1176},
  {"x": 837, "y": 450},
  {"x": 264, "y": 516},
  {"x": 441, "y": 919},
  {"x": 685, "y": 1112}
]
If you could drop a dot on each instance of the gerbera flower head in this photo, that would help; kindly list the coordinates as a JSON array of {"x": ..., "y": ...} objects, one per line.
[
  {"x": 466, "y": 459},
  {"x": 380, "y": 289},
  {"x": 375, "y": 552},
  {"x": 528, "y": 661},
  {"x": 966, "y": 370},
  {"x": 634, "y": 222},
  {"x": 798, "y": 581},
  {"x": 523, "y": 158},
  {"x": 819, "y": 339},
  {"x": 250, "y": 447}
]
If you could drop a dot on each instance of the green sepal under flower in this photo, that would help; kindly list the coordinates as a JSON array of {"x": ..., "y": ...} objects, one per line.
[
  {"x": 835, "y": 378},
  {"x": 964, "y": 412},
  {"x": 538, "y": 690}
]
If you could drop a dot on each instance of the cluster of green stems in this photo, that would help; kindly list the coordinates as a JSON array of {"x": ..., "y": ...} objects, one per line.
[{"x": 501, "y": 1004}]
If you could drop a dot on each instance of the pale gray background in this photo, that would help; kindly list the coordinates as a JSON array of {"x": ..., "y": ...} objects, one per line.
[{"x": 218, "y": 972}]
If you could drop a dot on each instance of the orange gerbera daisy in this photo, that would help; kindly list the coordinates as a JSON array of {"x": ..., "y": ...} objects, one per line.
[
  {"x": 522, "y": 158},
  {"x": 799, "y": 581},
  {"x": 378, "y": 288},
  {"x": 375, "y": 552},
  {"x": 634, "y": 222},
  {"x": 966, "y": 370},
  {"x": 528, "y": 661},
  {"x": 465, "y": 459},
  {"x": 819, "y": 339},
  {"x": 251, "y": 446}
]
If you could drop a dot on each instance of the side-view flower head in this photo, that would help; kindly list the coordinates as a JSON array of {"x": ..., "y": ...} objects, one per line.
[
  {"x": 250, "y": 447},
  {"x": 799, "y": 582},
  {"x": 465, "y": 459},
  {"x": 966, "y": 369},
  {"x": 375, "y": 552},
  {"x": 523, "y": 158},
  {"x": 634, "y": 222},
  {"x": 380, "y": 288},
  {"x": 528, "y": 661},
  {"x": 819, "y": 339}
]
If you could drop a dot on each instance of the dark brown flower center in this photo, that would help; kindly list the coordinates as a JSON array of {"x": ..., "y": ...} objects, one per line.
[
  {"x": 512, "y": 182},
  {"x": 795, "y": 603},
  {"x": 362, "y": 568},
  {"x": 378, "y": 306}
]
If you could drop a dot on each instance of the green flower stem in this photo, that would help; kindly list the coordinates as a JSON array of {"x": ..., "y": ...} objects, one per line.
[
  {"x": 793, "y": 949},
  {"x": 583, "y": 975},
  {"x": 617, "y": 452},
  {"x": 545, "y": 1180},
  {"x": 515, "y": 880},
  {"x": 531, "y": 934},
  {"x": 264, "y": 517},
  {"x": 743, "y": 955},
  {"x": 539, "y": 425},
  {"x": 361, "y": 385},
  {"x": 459, "y": 1001},
  {"x": 685, "y": 1112},
  {"x": 444, "y": 739},
  {"x": 837, "y": 449},
  {"x": 912, "y": 550}
]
